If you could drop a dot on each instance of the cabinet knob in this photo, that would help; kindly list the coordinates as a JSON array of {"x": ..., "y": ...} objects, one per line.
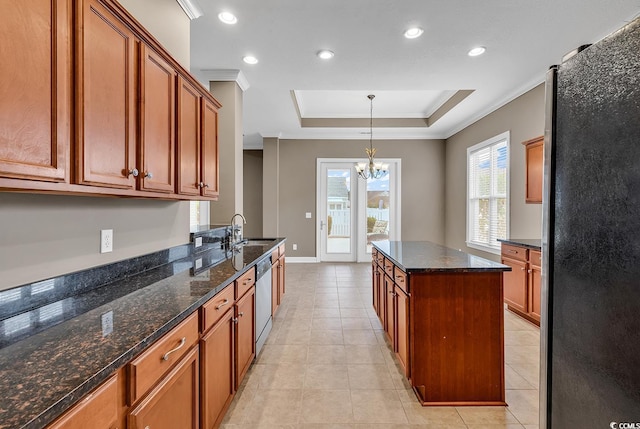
[
  {"x": 148, "y": 175},
  {"x": 529, "y": 271},
  {"x": 241, "y": 314},
  {"x": 203, "y": 185},
  {"x": 133, "y": 172},
  {"x": 521, "y": 268},
  {"x": 235, "y": 320}
]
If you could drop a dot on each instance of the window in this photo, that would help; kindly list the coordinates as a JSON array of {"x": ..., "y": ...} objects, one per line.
[
  {"x": 198, "y": 213},
  {"x": 488, "y": 193}
]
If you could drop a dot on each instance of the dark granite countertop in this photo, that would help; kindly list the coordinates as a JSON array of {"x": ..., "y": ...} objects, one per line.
[
  {"x": 424, "y": 257},
  {"x": 529, "y": 243},
  {"x": 45, "y": 373}
]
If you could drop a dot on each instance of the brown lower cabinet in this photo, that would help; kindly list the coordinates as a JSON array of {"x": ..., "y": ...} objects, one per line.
[
  {"x": 245, "y": 334},
  {"x": 97, "y": 410},
  {"x": 217, "y": 370},
  {"x": 174, "y": 403},
  {"x": 522, "y": 283},
  {"x": 277, "y": 278}
]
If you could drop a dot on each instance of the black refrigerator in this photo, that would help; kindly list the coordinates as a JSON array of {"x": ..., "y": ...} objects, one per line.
[{"x": 590, "y": 328}]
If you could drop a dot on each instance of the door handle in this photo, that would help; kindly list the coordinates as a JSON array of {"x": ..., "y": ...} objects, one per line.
[{"x": 321, "y": 225}]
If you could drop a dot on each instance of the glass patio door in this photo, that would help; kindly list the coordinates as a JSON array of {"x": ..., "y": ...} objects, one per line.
[{"x": 337, "y": 217}]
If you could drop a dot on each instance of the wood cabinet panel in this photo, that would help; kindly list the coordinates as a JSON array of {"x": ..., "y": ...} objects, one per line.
[
  {"x": 515, "y": 284},
  {"x": 281, "y": 275},
  {"x": 98, "y": 410},
  {"x": 210, "y": 158},
  {"x": 534, "y": 283},
  {"x": 216, "y": 370},
  {"x": 147, "y": 369},
  {"x": 245, "y": 335},
  {"x": 389, "y": 305},
  {"x": 402, "y": 328},
  {"x": 157, "y": 120},
  {"x": 534, "y": 153},
  {"x": 105, "y": 99},
  {"x": 375, "y": 281},
  {"x": 275, "y": 287},
  {"x": 35, "y": 105},
  {"x": 188, "y": 144},
  {"x": 174, "y": 403}
]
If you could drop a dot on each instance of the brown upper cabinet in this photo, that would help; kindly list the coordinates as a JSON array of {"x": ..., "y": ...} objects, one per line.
[
  {"x": 35, "y": 83},
  {"x": 120, "y": 131},
  {"x": 534, "y": 150},
  {"x": 197, "y": 162},
  {"x": 105, "y": 99},
  {"x": 157, "y": 120}
]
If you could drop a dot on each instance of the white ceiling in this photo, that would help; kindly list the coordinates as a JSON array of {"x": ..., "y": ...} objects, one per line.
[{"x": 409, "y": 77}]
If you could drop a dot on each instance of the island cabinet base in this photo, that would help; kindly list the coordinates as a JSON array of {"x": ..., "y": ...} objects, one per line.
[{"x": 456, "y": 331}]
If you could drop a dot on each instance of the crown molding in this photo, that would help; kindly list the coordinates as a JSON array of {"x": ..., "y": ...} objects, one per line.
[{"x": 223, "y": 75}]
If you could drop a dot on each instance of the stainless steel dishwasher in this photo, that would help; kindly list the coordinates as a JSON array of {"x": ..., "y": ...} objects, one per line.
[{"x": 263, "y": 302}]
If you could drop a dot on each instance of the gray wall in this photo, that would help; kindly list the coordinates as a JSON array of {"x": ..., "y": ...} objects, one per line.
[
  {"x": 524, "y": 118},
  {"x": 43, "y": 236},
  {"x": 252, "y": 183},
  {"x": 295, "y": 161}
]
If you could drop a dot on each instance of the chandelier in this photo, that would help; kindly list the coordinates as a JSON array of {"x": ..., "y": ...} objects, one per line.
[{"x": 371, "y": 169}]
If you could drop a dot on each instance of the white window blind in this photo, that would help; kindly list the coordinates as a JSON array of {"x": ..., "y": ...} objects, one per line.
[{"x": 488, "y": 193}]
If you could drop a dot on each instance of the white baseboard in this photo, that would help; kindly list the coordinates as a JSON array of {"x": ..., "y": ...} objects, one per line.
[{"x": 301, "y": 259}]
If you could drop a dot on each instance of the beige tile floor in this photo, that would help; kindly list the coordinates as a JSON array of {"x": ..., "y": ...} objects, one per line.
[{"x": 326, "y": 364}]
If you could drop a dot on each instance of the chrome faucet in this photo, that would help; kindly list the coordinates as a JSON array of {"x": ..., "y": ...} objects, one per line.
[{"x": 237, "y": 233}]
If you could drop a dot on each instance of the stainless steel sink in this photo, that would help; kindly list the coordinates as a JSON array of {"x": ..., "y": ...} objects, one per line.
[{"x": 257, "y": 242}]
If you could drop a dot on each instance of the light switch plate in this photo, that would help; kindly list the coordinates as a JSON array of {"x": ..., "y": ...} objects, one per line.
[
  {"x": 308, "y": 215},
  {"x": 197, "y": 264},
  {"x": 107, "y": 323},
  {"x": 198, "y": 241}
]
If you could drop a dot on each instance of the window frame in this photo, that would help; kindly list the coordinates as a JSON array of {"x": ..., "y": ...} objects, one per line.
[{"x": 469, "y": 219}]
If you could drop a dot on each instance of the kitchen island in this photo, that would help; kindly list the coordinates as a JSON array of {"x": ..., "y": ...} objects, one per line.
[{"x": 442, "y": 311}]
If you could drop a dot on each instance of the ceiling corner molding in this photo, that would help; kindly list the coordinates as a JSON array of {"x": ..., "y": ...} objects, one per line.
[
  {"x": 224, "y": 75},
  {"x": 191, "y": 8},
  {"x": 446, "y": 107}
]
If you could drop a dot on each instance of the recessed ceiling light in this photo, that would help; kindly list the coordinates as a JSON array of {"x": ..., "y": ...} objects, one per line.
[
  {"x": 477, "y": 51},
  {"x": 227, "y": 17},
  {"x": 413, "y": 33},
  {"x": 250, "y": 59},
  {"x": 325, "y": 54}
]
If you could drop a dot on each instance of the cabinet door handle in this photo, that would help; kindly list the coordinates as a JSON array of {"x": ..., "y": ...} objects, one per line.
[
  {"x": 203, "y": 185},
  {"x": 235, "y": 320},
  {"x": 521, "y": 268},
  {"x": 226, "y": 301},
  {"x": 182, "y": 343},
  {"x": 529, "y": 271},
  {"x": 133, "y": 172},
  {"x": 241, "y": 314},
  {"x": 148, "y": 175}
]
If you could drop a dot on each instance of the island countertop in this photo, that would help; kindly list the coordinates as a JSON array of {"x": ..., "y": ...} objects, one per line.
[
  {"x": 425, "y": 256},
  {"x": 529, "y": 243}
]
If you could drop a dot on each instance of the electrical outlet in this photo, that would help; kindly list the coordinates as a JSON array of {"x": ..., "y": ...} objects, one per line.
[
  {"x": 107, "y": 323},
  {"x": 295, "y": 247},
  {"x": 308, "y": 215},
  {"x": 197, "y": 264},
  {"x": 106, "y": 241},
  {"x": 198, "y": 242}
]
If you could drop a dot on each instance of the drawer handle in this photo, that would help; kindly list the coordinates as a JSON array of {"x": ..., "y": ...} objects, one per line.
[
  {"x": 226, "y": 301},
  {"x": 182, "y": 343},
  {"x": 512, "y": 251},
  {"x": 250, "y": 279}
]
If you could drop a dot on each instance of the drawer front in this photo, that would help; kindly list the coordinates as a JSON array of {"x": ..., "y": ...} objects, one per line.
[
  {"x": 514, "y": 252},
  {"x": 281, "y": 248},
  {"x": 400, "y": 278},
  {"x": 535, "y": 258},
  {"x": 388, "y": 267},
  {"x": 374, "y": 255},
  {"x": 274, "y": 256},
  {"x": 98, "y": 409},
  {"x": 148, "y": 368},
  {"x": 244, "y": 282},
  {"x": 215, "y": 308},
  {"x": 380, "y": 259}
]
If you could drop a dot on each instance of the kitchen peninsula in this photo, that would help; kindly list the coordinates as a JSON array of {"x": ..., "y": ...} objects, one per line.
[{"x": 442, "y": 311}]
